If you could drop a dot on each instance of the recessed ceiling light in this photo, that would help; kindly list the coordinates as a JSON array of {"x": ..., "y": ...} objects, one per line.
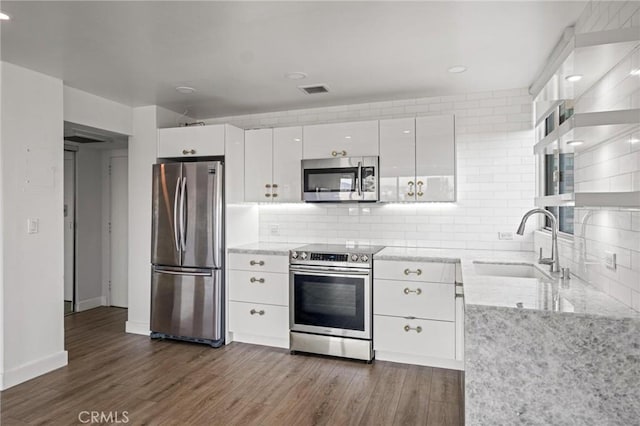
[
  {"x": 457, "y": 69},
  {"x": 573, "y": 77},
  {"x": 297, "y": 139},
  {"x": 406, "y": 132},
  {"x": 347, "y": 137},
  {"x": 4, "y": 16},
  {"x": 575, "y": 142},
  {"x": 635, "y": 71},
  {"x": 634, "y": 140},
  {"x": 296, "y": 75},
  {"x": 185, "y": 89}
]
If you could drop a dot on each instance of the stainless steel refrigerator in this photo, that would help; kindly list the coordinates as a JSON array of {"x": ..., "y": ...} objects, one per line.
[{"x": 187, "y": 299}]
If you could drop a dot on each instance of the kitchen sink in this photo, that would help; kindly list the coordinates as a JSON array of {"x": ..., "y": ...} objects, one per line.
[{"x": 516, "y": 270}]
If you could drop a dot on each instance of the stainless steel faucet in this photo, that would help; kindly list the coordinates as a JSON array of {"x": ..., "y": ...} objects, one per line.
[{"x": 554, "y": 260}]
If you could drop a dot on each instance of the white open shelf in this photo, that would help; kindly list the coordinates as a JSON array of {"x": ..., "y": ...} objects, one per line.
[
  {"x": 555, "y": 200},
  {"x": 629, "y": 199},
  {"x": 591, "y": 55},
  {"x": 592, "y": 128}
]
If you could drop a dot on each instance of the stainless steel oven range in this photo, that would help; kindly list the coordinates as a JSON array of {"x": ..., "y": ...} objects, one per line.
[{"x": 331, "y": 300}]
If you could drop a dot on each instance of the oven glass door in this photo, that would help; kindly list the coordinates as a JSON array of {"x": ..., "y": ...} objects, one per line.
[
  {"x": 336, "y": 304},
  {"x": 340, "y": 179}
]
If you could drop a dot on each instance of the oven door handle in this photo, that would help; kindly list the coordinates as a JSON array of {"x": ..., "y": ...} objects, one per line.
[{"x": 329, "y": 270}]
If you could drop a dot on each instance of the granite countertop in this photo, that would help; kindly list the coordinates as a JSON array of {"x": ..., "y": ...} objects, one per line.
[
  {"x": 545, "y": 293},
  {"x": 276, "y": 249}
]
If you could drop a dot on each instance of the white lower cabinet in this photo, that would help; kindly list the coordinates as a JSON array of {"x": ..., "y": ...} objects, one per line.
[
  {"x": 415, "y": 313},
  {"x": 418, "y": 337},
  {"x": 254, "y": 319},
  {"x": 258, "y": 292}
]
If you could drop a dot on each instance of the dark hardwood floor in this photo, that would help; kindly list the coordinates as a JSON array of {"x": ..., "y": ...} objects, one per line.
[{"x": 174, "y": 383}]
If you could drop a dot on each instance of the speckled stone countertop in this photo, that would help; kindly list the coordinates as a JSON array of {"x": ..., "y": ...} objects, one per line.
[
  {"x": 546, "y": 293},
  {"x": 276, "y": 249},
  {"x": 540, "y": 350}
]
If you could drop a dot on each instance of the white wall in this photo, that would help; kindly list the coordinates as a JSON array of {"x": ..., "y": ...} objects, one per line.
[
  {"x": 89, "y": 229},
  {"x": 613, "y": 165},
  {"x": 93, "y": 111},
  {"x": 32, "y": 167},
  {"x": 142, "y": 155},
  {"x": 495, "y": 170}
]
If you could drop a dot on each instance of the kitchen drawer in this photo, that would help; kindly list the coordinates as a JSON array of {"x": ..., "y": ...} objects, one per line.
[
  {"x": 259, "y": 262},
  {"x": 415, "y": 271},
  {"x": 435, "y": 339},
  {"x": 414, "y": 299},
  {"x": 259, "y": 320},
  {"x": 259, "y": 287}
]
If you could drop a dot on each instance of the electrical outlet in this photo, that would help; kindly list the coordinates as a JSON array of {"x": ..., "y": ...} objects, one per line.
[
  {"x": 505, "y": 235},
  {"x": 610, "y": 259},
  {"x": 275, "y": 229},
  {"x": 33, "y": 226}
]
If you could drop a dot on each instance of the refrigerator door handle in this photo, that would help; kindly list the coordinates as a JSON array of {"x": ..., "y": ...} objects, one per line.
[
  {"x": 175, "y": 215},
  {"x": 191, "y": 274},
  {"x": 183, "y": 219},
  {"x": 217, "y": 211}
]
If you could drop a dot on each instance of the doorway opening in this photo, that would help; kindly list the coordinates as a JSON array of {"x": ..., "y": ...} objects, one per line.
[{"x": 96, "y": 218}]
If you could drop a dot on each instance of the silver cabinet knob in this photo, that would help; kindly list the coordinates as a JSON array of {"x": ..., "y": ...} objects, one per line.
[
  {"x": 420, "y": 193},
  {"x": 410, "y": 192},
  {"x": 266, "y": 194},
  {"x": 253, "y": 312},
  {"x": 268, "y": 185},
  {"x": 254, "y": 279},
  {"x": 188, "y": 151},
  {"x": 417, "y": 291},
  {"x": 334, "y": 153},
  {"x": 343, "y": 153},
  {"x": 417, "y": 329},
  {"x": 274, "y": 195},
  {"x": 275, "y": 185},
  {"x": 409, "y": 271},
  {"x": 257, "y": 262}
]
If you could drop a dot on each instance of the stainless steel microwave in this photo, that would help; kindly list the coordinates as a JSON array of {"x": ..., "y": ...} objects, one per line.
[{"x": 340, "y": 179}]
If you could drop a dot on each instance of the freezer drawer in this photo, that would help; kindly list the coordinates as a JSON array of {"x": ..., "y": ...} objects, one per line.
[{"x": 187, "y": 305}]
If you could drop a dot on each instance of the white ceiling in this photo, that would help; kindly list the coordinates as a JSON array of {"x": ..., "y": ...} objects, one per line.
[{"x": 236, "y": 53}]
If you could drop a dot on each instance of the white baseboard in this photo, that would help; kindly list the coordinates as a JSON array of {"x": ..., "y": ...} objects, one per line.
[
  {"x": 261, "y": 340},
  {"x": 33, "y": 369},
  {"x": 451, "y": 364},
  {"x": 84, "y": 305},
  {"x": 138, "y": 328}
]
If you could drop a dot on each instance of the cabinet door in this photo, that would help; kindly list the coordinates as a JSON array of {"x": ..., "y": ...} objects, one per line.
[
  {"x": 257, "y": 164},
  {"x": 397, "y": 160},
  {"x": 354, "y": 139},
  {"x": 287, "y": 154},
  {"x": 435, "y": 158},
  {"x": 193, "y": 141}
]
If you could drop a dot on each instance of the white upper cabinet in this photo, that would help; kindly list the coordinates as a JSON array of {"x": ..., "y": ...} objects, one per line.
[
  {"x": 435, "y": 158},
  {"x": 194, "y": 141},
  {"x": 272, "y": 164},
  {"x": 354, "y": 139},
  {"x": 417, "y": 159},
  {"x": 258, "y": 167},
  {"x": 397, "y": 160},
  {"x": 287, "y": 157}
]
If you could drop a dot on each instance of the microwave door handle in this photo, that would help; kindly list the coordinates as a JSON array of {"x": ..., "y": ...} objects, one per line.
[{"x": 359, "y": 181}]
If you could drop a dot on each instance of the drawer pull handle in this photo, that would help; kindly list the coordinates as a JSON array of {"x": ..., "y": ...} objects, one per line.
[
  {"x": 418, "y": 329},
  {"x": 257, "y": 262},
  {"x": 188, "y": 151},
  {"x": 253, "y": 312},
  {"x": 254, "y": 279},
  {"x": 417, "y": 291},
  {"x": 409, "y": 271}
]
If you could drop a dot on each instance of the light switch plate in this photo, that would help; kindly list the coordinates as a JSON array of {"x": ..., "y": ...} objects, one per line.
[
  {"x": 610, "y": 259},
  {"x": 505, "y": 235},
  {"x": 33, "y": 226}
]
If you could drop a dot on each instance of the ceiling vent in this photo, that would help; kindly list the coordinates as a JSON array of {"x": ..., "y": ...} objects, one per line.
[{"x": 314, "y": 89}]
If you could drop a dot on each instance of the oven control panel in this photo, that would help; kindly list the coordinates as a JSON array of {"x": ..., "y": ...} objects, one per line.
[{"x": 320, "y": 258}]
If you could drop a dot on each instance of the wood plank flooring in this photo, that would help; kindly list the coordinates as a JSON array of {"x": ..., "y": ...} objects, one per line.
[{"x": 174, "y": 383}]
